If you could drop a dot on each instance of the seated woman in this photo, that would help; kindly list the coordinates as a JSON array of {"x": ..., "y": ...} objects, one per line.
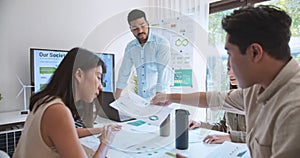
[
  {"x": 49, "y": 129},
  {"x": 232, "y": 123}
]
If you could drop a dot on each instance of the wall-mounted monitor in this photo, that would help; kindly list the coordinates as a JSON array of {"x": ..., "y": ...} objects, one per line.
[
  {"x": 109, "y": 76},
  {"x": 43, "y": 63}
]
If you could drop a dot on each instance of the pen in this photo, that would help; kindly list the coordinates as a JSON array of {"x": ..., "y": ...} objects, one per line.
[
  {"x": 170, "y": 154},
  {"x": 241, "y": 153}
]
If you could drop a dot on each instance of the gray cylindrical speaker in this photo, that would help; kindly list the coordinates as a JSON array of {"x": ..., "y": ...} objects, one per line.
[{"x": 182, "y": 133}]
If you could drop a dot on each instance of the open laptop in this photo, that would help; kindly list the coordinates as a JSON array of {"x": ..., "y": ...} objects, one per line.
[{"x": 106, "y": 111}]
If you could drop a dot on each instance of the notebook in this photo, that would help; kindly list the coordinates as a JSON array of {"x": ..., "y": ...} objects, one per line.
[{"x": 106, "y": 111}]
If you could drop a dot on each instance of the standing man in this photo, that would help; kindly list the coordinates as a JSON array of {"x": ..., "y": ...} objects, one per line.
[
  {"x": 149, "y": 53},
  {"x": 257, "y": 43}
]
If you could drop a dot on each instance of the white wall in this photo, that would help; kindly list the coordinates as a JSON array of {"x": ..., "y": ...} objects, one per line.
[{"x": 53, "y": 24}]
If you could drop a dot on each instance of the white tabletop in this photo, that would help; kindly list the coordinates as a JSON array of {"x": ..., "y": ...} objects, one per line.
[
  {"x": 131, "y": 143},
  {"x": 7, "y": 118}
]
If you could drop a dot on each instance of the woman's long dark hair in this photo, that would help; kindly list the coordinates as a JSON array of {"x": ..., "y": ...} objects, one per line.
[{"x": 61, "y": 84}]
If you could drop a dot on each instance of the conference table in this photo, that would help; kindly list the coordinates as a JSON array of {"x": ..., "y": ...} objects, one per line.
[{"x": 144, "y": 141}]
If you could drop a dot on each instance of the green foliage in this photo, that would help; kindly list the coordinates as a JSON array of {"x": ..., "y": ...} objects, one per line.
[
  {"x": 292, "y": 7},
  {"x": 298, "y": 58},
  {"x": 1, "y": 96},
  {"x": 216, "y": 34}
]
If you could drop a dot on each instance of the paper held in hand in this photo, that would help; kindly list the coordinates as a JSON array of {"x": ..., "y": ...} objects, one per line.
[{"x": 138, "y": 107}]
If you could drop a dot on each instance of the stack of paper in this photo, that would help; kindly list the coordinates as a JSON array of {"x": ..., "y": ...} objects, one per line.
[{"x": 136, "y": 106}]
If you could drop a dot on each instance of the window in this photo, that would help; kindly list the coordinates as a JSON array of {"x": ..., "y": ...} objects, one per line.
[
  {"x": 222, "y": 5},
  {"x": 221, "y": 8},
  {"x": 216, "y": 37}
]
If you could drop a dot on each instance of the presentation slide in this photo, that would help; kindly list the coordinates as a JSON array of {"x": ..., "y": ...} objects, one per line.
[
  {"x": 108, "y": 79},
  {"x": 45, "y": 63}
]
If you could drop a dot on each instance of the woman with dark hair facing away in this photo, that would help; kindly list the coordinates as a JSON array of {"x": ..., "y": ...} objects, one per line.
[
  {"x": 49, "y": 129},
  {"x": 232, "y": 123}
]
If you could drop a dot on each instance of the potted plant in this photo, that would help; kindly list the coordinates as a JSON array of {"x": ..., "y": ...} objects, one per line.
[{"x": 0, "y": 96}]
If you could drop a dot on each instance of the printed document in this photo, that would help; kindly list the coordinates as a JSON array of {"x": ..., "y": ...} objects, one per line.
[{"x": 138, "y": 107}]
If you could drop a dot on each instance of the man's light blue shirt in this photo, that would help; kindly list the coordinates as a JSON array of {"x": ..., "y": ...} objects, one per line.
[{"x": 151, "y": 62}]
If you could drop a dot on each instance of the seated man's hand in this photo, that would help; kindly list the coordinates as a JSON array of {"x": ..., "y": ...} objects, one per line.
[
  {"x": 161, "y": 99},
  {"x": 194, "y": 124},
  {"x": 216, "y": 139}
]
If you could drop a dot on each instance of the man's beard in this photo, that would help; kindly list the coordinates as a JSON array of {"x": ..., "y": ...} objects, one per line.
[{"x": 141, "y": 40}]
